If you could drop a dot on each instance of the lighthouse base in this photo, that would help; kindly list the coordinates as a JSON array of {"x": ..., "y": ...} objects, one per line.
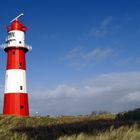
[{"x": 16, "y": 104}]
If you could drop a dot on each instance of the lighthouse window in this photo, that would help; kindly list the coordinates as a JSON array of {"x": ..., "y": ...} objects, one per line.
[
  {"x": 21, "y": 106},
  {"x": 11, "y": 34},
  {"x": 20, "y": 63},
  {"x": 21, "y": 87},
  {"x": 13, "y": 52},
  {"x": 19, "y": 42}
]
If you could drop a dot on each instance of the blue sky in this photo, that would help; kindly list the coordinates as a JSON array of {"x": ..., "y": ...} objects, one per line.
[{"x": 79, "y": 47}]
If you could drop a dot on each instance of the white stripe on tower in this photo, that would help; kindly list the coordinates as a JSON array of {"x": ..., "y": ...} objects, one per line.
[{"x": 15, "y": 81}]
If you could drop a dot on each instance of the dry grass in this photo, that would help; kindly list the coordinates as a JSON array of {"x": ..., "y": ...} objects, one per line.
[
  {"x": 122, "y": 133},
  {"x": 100, "y": 127}
]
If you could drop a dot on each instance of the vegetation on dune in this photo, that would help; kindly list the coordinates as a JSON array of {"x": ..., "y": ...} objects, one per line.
[
  {"x": 129, "y": 115},
  {"x": 122, "y": 133},
  {"x": 92, "y": 127}
]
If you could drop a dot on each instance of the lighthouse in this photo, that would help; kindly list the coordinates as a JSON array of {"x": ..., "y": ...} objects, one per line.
[{"x": 15, "y": 95}]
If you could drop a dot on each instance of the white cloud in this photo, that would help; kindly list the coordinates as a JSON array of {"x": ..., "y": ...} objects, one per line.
[
  {"x": 110, "y": 92},
  {"x": 97, "y": 54},
  {"x": 102, "y": 29},
  {"x": 80, "y": 58}
]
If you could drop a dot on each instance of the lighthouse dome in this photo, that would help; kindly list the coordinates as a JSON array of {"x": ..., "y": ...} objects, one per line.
[{"x": 16, "y": 25}]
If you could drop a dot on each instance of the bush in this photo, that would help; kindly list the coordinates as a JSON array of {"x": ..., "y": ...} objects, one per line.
[{"x": 129, "y": 115}]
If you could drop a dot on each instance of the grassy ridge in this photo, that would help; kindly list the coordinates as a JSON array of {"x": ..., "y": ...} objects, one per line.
[
  {"x": 122, "y": 133},
  {"x": 99, "y": 127}
]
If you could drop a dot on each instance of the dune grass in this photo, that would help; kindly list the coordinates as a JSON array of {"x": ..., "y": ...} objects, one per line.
[
  {"x": 122, "y": 133},
  {"x": 98, "y": 127}
]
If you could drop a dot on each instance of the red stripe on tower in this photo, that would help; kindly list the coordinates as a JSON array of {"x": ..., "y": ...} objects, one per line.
[{"x": 15, "y": 96}]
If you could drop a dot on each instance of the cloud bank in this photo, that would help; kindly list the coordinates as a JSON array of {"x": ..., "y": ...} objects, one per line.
[{"x": 110, "y": 92}]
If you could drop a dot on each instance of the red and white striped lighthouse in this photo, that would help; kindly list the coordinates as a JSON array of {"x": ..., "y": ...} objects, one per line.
[{"x": 16, "y": 96}]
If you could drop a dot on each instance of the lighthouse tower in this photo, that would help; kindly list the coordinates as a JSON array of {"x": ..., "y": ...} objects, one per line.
[{"x": 15, "y": 96}]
